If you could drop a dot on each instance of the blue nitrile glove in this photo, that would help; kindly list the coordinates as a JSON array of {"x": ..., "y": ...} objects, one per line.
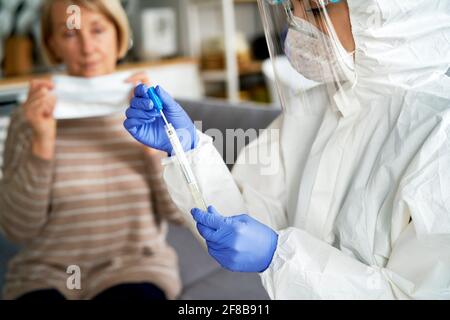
[
  {"x": 238, "y": 243},
  {"x": 146, "y": 125}
]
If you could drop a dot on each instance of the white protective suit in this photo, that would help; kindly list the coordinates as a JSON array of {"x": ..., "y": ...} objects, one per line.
[{"x": 362, "y": 198}]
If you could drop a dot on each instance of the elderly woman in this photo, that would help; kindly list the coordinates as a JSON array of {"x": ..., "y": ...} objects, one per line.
[{"x": 86, "y": 202}]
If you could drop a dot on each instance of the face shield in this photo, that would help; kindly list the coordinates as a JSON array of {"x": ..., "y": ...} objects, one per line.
[{"x": 303, "y": 32}]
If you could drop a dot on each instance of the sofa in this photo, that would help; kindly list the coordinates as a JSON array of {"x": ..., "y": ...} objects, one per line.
[{"x": 202, "y": 277}]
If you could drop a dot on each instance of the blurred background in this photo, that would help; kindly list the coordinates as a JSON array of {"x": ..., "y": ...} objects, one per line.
[
  {"x": 209, "y": 54},
  {"x": 224, "y": 39}
]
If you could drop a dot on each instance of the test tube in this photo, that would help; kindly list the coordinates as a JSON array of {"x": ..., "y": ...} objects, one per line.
[{"x": 179, "y": 153}]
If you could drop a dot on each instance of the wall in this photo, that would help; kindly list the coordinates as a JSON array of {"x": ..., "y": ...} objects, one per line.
[{"x": 175, "y": 4}]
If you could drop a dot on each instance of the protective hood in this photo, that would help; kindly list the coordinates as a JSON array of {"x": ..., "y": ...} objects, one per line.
[{"x": 404, "y": 43}]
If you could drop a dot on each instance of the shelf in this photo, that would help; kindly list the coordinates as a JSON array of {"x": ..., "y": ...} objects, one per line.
[
  {"x": 235, "y": 70},
  {"x": 194, "y": 29},
  {"x": 220, "y": 75}
]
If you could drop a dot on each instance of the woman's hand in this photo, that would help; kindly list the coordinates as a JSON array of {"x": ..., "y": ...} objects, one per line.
[
  {"x": 136, "y": 79},
  {"x": 38, "y": 111}
]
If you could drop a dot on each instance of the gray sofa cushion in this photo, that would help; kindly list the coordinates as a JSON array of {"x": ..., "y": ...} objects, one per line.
[
  {"x": 225, "y": 285},
  {"x": 218, "y": 114},
  {"x": 204, "y": 279}
]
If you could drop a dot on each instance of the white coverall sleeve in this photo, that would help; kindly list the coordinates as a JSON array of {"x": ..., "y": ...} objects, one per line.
[
  {"x": 418, "y": 267},
  {"x": 255, "y": 189}
]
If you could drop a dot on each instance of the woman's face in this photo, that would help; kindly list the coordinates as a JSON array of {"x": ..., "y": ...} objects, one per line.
[
  {"x": 339, "y": 15},
  {"x": 88, "y": 52}
]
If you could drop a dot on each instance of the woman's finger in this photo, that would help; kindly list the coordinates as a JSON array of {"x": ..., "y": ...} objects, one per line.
[
  {"x": 49, "y": 105},
  {"x": 38, "y": 93},
  {"x": 133, "y": 78},
  {"x": 40, "y": 97},
  {"x": 44, "y": 104},
  {"x": 37, "y": 84},
  {"x": 37, "y": 107},
  {"x": 137, "y": 78}
]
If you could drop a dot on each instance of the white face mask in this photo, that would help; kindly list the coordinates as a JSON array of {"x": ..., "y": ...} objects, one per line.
[
  {"x": 91, "y": 97},
  {"x": 316, "y": 56}
]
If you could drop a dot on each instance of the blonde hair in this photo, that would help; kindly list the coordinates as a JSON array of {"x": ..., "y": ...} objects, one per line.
[{"x": 111, "y": 9}]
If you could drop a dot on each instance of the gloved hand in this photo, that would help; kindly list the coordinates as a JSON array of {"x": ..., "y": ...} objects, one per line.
[
  {"x": 146, "y": 125},
  {"x": 238, "y": 243}
]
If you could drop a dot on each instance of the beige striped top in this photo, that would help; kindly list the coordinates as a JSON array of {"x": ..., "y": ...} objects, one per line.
[{"x": 100, "y": 205}]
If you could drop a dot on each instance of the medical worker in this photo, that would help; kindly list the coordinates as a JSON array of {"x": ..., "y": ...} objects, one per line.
[{"x": 359, "y": 205}]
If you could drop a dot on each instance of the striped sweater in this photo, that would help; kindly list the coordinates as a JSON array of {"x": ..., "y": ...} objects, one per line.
[{"x": 100, "y": 205}]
